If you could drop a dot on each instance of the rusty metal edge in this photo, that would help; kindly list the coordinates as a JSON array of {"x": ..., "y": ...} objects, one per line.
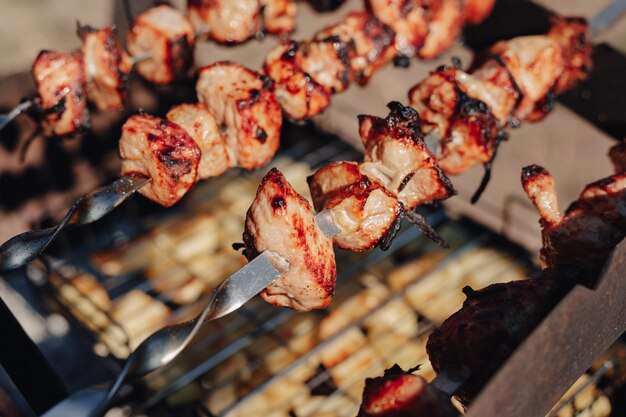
[{"x": 584, "y": 324}]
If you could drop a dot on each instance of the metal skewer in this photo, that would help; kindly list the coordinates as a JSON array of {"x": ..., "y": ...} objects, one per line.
[
  {"x": 5, "y": 119},
  {"x": 21, "y": 249}
]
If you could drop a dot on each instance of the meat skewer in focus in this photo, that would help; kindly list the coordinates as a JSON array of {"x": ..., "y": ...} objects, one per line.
[{"x": 463, "y": 114}]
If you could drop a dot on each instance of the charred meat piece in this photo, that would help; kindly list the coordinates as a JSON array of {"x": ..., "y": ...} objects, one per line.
[
  {"x": 476, "y": 340},
  {"x": 402, "y": 394},
  {"x": 573, "y": 36},
  {"x": 618, "y": 156},
  {"x": 462, "y": 128},
  {"x": 367, "y": 213},
  {"x": 162, "y": 151},
  {"x": 373, "y": 41},
  {"x": 279, "y": 16},
  {"x": 591, "y": 227},
  {"x": 300, "y": 96},
  {"x": 226, "y": 21},
  {"x": 495, "y": 86},
  {"x": 326, "y": 5},
  {"x": 397, "y": 156},
  {"x": 444, "y": 27},
  {"x": 476, "y": 11},
  {"x": 163, "y": 38},
  {"x": 535, "y": 63},
  {"x": 327, "y": 61},
  {"x": 281, "y": 220},
  {"x": 408, "y": 18},
  {"x": 104, "y": 67},
  {"x": 60, "y": 80},
  {"x": 246, "y": 109},
  {"x": 203, "y": 129}
]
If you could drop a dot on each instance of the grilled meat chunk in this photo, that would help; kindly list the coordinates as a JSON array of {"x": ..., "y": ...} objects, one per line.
[
  {"x": 476, "y": 11},
  {"x": 300, "y": 96},
  {"x": 396, "y": 155},
  {"x": 203, "y": 129},
  {"x": 246, "y": 109},
  {"x": 279, "y": 16},
  {"x": 402, "y": 394},
  {"x": 573, "y": 36},
  {"x": 226, "y": 21},
  {"x": 618, "y": 156},
  {"x": 162, "y": 151},
  {"x": 327, "y": 61},
  {"x": 408, "y": 18},
  {"x": 60, "y": 80},
  {"x": 476, "y": 340},
  {"x": 444, "y": 27},
  {"x": 104, "y": 67},
  {"x": 367, "y": 213},
  {"x": 591, "y": 227},
  {"x": 281, "y": 220},
  {"x": 164, "y": 40},
  {"x": 465, "y": 130},
  {"x": 373, "y": 42}
]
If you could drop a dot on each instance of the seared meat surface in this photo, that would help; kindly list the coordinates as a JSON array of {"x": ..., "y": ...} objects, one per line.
[
  {"x": 327, "y": 61},
  {"x": 104, "y": 67},
  {"x": 444, "y": 27},
  {"x": 226, "y": 21},
  {"x": 60, "y": 80},
  {"x": 402, "y": 394},
  {"x": 373, "y": 42},
  {"x": 397, "y": 156},
  {"x": 203, "y": 129},
  {"x": 163, "y": 38},
  {"x": 477, "y": 10},
  {"x": 246, "y": 109},
  {"x": 281, "y": 220},
  {"x": 590, "y": 228},
  {"x": 360, "y": 205},
  {"x": 300, "y": 96},
  {"x": 162, "y": 151},
  {"x": 475, "y": 341},
  {"x": 279, "y": 16}
]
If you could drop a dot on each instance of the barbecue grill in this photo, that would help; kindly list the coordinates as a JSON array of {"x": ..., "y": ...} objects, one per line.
[{"x": 271, "y": 361}]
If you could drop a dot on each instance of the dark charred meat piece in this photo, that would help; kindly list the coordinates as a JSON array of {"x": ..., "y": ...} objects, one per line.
[
  {"x": 281, "y": 220},
  {"x": 402, "y": 394},
  {"x": 618, "y": 156},
  {"x": 246, "y": 109},
  {"x": 300, "y": 96},
  {"x": 326, "y": 5},
  {"x": 591, "y": 227},
  {"x": 477, "y": 10},
  {"x": 463, "y": 127},
  {"x": 397, "y": 156},
  {"x": 163, "y": 38},
  {"x": 104, "y": 67},
  {"x": 373, "y": 41},
  {"x": 444, "y": 27},
  {"x": 360, "y": 205},
  {"x": 203, "y": 129},
  {"x": 475, "y": 341},
  {"x": 162, "y": 151},
  {"x": 327, "y": 61},
  {"x": 279, "y": 16},
  {"x": 408, "y": 18},
  {"x": 226, "y": 21},
  {"x": 60, "y": 80}
]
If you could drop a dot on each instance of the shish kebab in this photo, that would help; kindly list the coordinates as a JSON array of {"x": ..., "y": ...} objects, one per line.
[
  {"x": 162, "y": 41},
  {"x": 575, "y": 247},
  {"x": 161, "y": 45}
]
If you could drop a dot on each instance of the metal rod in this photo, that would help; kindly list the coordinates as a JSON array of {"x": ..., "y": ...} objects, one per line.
[{"x": 5, "y": 119}]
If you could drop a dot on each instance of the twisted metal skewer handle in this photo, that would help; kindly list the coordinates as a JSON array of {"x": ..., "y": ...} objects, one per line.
[{"x": 21, "y": 249}]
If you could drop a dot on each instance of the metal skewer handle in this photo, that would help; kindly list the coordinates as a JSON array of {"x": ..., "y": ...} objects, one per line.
[
  {"x": 5, "y": 119},
  {"x": 24, "y": 247}
]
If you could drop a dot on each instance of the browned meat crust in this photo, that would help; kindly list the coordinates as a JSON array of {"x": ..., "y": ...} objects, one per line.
[
  {"x": 60, "y": 80},
  {"x": 476, "y": 340},
  {"x": 162, "y": 151},
  {"x": 401, "y": 394},
  {"x": 281, "y": 220}
]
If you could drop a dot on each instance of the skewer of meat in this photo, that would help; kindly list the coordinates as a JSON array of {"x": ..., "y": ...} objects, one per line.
[{"x": 464, "y": 114}]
